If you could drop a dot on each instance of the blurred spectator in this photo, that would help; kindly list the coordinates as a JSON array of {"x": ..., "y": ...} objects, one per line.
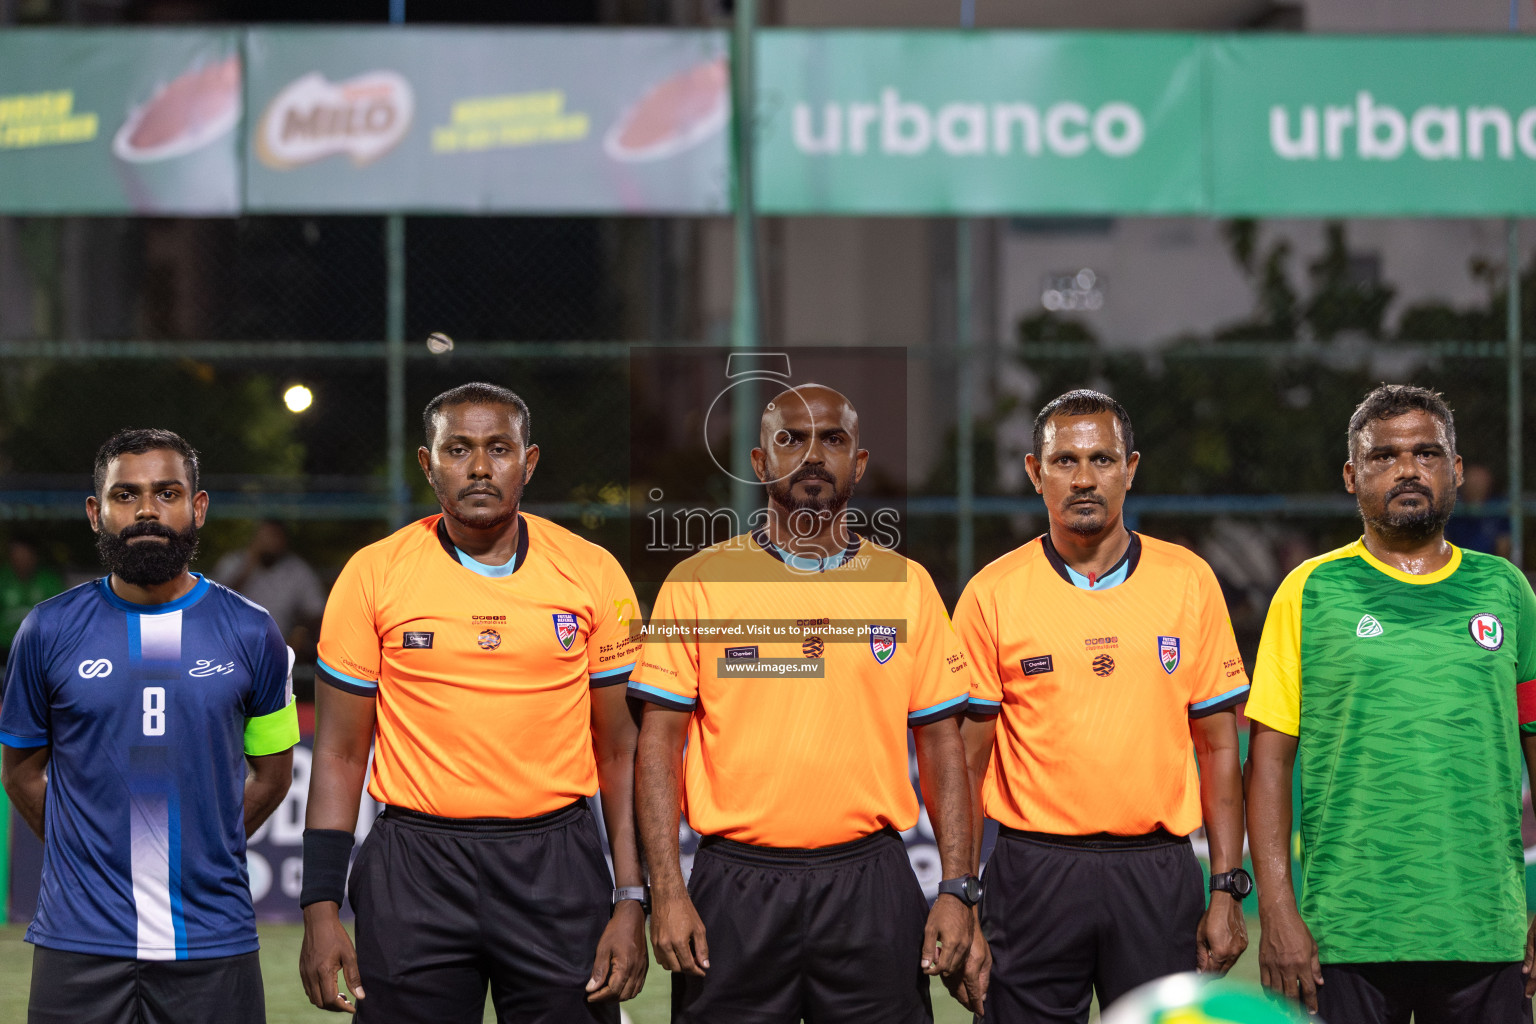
[
  {"x": 280, "y": 581},
  {"x": 1475, "y": 526},
  {"x": 23, "y": 583}
]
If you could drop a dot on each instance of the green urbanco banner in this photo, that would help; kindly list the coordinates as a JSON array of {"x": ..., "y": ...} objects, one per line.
[
  {"x": 909, "y": 122},
  {"x": 1360, "y": 126},
  {"x": 119, "y": 121},
  {"x": 475, "y": 120}
]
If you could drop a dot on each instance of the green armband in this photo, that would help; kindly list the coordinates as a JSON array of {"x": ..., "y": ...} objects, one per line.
[{"x": 274, "y": 733}]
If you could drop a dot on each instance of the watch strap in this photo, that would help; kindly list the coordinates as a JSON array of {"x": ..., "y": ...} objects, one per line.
[{"x": 639, "y": 893}]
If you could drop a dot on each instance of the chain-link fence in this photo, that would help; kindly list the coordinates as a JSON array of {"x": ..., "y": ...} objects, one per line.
[{"x": 203, "y": 325}]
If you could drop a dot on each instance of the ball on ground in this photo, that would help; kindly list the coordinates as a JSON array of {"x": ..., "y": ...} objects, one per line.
[{"x": 438, "y": 343}]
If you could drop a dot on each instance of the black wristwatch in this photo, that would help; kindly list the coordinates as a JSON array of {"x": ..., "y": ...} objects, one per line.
[
  {"x": 639, "y": 893},
  {"x": 967, "y": 889},
  {"x": 1237, "y": 882}
]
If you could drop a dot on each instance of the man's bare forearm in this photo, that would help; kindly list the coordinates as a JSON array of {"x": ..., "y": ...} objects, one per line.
[
  {"x": 658, "y": 795},
  {"x": 979, "y": 734},
  {"x": 1271, "y": 759},
  {"x": 265, "y": 786},
  {"x": 946, "y": 786},
  {"x": 1221, "y": 788},
  {"x": 24, "y": 775},
  {"x": 344, "y": 724},
  {"x": 615, "y": 738}
]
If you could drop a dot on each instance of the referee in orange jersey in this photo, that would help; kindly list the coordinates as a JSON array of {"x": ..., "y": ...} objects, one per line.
[
  {"x": 1096, "y": 655},
  {"x": 802, "y": 902},
  {"x": 482, "y": 653}
]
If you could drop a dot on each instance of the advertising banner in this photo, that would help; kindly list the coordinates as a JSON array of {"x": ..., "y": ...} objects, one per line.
[
  {"x": 881, "y": 122},
  {"x": 468, "y": 120},
  {"x": 113, "y": 121},
  {"x": 1319, "y": 126}
]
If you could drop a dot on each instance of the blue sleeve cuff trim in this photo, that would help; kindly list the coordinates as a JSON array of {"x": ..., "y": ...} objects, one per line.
[
  {"x": 953, "y": 706},
  {"x": 978, "y": 706},
  {"x": 656, "y": 695},
  {"x": 1229, "y": 699},
  {"x": 21, "y": 742},
  {"x": 344, "y": 682}
]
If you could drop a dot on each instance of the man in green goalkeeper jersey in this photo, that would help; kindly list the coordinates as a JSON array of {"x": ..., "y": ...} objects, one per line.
[{"x": 1402, "y": 671}]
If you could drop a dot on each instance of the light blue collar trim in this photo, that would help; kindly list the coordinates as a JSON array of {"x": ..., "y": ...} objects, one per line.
[
  {"x": 1113, "y": 579},
  {"x": 493, "y": 571},
  {"x": 805, "y": 563}
]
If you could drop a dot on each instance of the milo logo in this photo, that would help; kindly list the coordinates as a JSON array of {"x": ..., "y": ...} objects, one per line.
[{"x": 313, "y": 118}]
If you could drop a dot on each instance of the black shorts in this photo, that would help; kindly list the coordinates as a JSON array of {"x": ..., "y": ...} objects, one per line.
[
  {"x": 79, "y": 988},
  {"x": 1068, "y": 916},
  {"x": 445, "y": 905},
  {"x": 1434, "y": 992},
  {"x": 824, "y": 935}
]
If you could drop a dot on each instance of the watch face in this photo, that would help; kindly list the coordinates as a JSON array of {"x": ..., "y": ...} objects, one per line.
[
  {"x": 1242, "y": 882},
  {"x": 972, "y": 890}
]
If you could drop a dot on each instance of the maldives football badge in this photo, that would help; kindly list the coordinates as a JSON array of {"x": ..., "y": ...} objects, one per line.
[
  {"x": 565, "y": 629},
  {"x": 1168, "y": 652},
  {"x": 1487, "y": 630},
  {"x": 882, "y": 642}
]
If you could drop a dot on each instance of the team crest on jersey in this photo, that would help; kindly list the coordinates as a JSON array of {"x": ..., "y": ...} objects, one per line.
[
  {"x": 1487, "y": 630},
  {"x": 1369, "y": 627},
  {"x": 882, "y": 642},
  {"x": 812, "y": 647},
  {"x": 565, "y": 629},
  {"x": 489, "y": 640},
  {"x": 1168, "y": 652}
]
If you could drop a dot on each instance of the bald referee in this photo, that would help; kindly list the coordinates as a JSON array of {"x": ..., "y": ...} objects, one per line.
[
  {"x": 802, "y": 902},
  {"x": 482, "y": 652}
]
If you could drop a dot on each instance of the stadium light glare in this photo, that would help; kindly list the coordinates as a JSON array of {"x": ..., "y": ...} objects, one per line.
[{"x": 298, "y": 398}]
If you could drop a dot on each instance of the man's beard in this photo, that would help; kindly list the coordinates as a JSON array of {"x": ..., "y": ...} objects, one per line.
[
  {"x": 486, "y": 518},
  {"x": 782, "y": 492},
  {"x": 148, "y": 564},
  {"x": 1083, "y": 527},
  {"x": 1414, "y": 524}
]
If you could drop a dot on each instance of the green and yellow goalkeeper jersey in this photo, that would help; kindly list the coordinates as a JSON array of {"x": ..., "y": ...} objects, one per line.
[{"x": 1408, "y": 695}]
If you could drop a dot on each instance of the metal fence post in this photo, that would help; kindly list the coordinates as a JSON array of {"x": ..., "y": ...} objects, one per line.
[
  {"x": 1516, "y": 389},
  {"x": 394, "y": 366},
  {"x": 965, "y": 440},
  {"x": 744, "y": 414}
]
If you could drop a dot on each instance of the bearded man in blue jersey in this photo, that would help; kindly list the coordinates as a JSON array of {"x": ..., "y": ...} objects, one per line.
[{"x": 147, "y": 721}]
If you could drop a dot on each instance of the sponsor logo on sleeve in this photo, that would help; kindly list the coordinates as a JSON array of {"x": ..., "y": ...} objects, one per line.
[
  {"x": 565, "y": 629},
  {"x": 882, "y": 642},
  {"x": 1487, "y": 630},
  {"x": 1037, "y": 666},
  {"x": 1168, "y": 652},
  {"x": 416, "y": 640},
  {"x": 741, "y": 652}
]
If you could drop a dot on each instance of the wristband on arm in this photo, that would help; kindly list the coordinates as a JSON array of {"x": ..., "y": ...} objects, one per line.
[{"x": 326, "y": 853}]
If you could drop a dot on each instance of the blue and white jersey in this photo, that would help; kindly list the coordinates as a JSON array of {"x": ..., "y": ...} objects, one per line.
[{"x": 146, "y": 709}]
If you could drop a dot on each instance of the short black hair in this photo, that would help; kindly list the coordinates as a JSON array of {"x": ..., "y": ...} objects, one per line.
[
  {"x": 1392, "y": 400},
  {"x": 1084, "y": 402},
  {"x": 137, "y": 441},
  {"x": 477, "y": 393}
]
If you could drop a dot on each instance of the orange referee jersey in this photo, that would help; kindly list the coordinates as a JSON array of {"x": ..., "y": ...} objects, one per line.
[
  {"x": 483, "y": 683},
  {"x": 1095, "y": 688},
  {"x": 802, "y": 685}
]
